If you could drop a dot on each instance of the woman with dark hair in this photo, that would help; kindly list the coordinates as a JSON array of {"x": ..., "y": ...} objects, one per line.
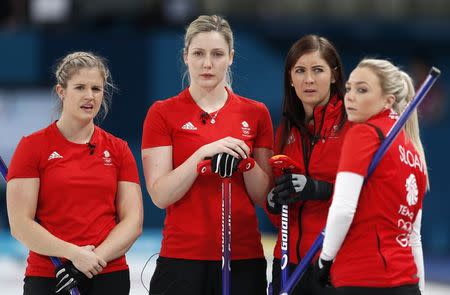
[{"x": 311, "y": 133}]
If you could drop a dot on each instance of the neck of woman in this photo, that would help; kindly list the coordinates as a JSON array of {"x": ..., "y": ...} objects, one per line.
[
  {"x": 75, "y": 131},
  {"x": 309, "y": 110},
  {"x": 209, "y": 100},
  {"x": 308, "y": 113}
]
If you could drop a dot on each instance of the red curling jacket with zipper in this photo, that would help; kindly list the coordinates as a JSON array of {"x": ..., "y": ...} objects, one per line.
[{"x": 317, "y": 150}]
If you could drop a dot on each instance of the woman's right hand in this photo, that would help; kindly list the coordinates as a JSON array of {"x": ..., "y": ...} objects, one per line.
[
  {"x": 230, "y": 145},
  {"x": 86, "y": 261}
]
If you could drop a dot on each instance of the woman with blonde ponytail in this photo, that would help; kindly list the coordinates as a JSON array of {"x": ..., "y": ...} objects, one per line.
[
  {"x": 372, "y": 241},
  {"x": 411, "y": 127}
]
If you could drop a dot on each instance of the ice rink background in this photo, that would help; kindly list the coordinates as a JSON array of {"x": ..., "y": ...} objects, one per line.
[{"x": 13, "y": 262}]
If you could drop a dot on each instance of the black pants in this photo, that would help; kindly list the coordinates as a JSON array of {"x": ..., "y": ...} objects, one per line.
[
  {"x": 200, "y": 277},
  {"x": 402, "y": 290},
  {"x": 117, "y": 283},
  {"x": 306, "y": 285}
]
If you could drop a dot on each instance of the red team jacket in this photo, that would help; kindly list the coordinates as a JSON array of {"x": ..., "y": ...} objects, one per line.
[
  {"x": 319, "y": 161},
  {"x": 192, "y": 226},
  {"x": 376, "y": 251},
  {"x": 78, "y": 186}
]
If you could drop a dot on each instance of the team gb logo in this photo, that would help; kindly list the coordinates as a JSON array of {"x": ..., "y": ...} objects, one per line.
[
  {"x": 107, "y": 161},
  {"x": 412, "y": 191},
  {"x": 245, "y": 129}
]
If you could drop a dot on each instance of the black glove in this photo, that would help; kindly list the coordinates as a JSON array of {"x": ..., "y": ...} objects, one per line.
[
  {"x": 272, "y": 206},
  {"x": 224, "y": 164},
  {"x": 67, "y": 277},
  {"x": 321, "y": 272},
  {"x": 291, "y": 188}
]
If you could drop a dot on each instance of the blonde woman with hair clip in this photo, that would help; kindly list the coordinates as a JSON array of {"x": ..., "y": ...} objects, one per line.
[
  {"x": 73, "y": 190},
  {"x": 207, "y": 120},
  {"x": 372, "y": 240}
]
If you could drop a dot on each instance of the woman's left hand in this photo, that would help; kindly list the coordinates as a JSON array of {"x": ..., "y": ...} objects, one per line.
[{"x": 321, "y": 272}]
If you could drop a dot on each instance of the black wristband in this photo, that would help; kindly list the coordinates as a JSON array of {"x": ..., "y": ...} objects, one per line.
[{"x": 317, "y": 190}]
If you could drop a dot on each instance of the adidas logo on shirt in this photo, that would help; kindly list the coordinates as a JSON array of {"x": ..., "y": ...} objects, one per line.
[
  {"x": 54, "y": 155},
  {"x": 189, "y": 126}
]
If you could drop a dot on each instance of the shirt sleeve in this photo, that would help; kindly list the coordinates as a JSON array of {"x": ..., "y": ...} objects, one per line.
[
  {"x": 416, "y": 245},
  {"x": 360, "y": 144},
  {"x": 25, "y": 161},
  {"x": 128, "y": 169},
  {"x": 264, "y": 138},
  {"x": 156, "y": 130},
  {"x": 341, "y": 212}
]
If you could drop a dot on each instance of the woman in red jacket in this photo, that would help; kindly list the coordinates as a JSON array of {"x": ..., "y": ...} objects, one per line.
[
  {"x": 373, "y": 228},
  {"x": 311, "y": 133}
]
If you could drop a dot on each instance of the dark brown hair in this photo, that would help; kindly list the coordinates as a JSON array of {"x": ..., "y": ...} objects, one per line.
[{"x": 292, "y": 108}]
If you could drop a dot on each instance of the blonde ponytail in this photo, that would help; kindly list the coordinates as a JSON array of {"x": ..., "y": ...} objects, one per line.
[
  {"x": 411, "y": 127},
  {"x": 398, "y": 83}
]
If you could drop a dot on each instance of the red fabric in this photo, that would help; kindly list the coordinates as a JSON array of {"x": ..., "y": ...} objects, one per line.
[
  {"x": 76, "y": 201},
  {"x": 192, "y": 227},
  {"x": 376, "y": 251},
  {"x": 311, "y": 215}
]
